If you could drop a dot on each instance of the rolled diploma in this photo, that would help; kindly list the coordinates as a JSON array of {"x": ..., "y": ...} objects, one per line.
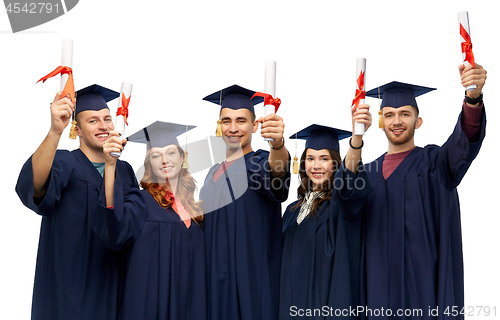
[
  {"x": 359, "y": 128},
  {"x": 66, "y": 59},
  {"x": 270, "y": 88},
  {"x": 120, "y": 121},
  {"x": 463, "y": 19}
]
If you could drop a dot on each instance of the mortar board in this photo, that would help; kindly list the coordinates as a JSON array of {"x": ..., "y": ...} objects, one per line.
[
  {"x": 397, "y": 94},
  {"x": 322, "y": 137},
  {"x": 160, "y": 134}
]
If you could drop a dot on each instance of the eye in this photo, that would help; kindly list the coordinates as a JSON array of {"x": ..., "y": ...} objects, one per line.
[
  {"x": 309, "y": 159},
  {"x": 225, "y": 122}
]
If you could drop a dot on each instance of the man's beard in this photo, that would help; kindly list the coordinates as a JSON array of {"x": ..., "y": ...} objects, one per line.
[{"x": 403, "y": 138}]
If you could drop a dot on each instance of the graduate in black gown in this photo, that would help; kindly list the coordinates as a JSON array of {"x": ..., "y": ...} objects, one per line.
[
  {"x": 413, "y": 263},
  {"x": 242, "y": 205},
  {"x": 322, "y": 230},
  {"x": 158, "y": 228},
  {"x": 76, "y": 277}
]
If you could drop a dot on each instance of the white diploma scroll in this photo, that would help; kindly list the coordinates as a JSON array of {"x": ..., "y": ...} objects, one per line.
[
  {"x": 66, "y": 59},
  {"x": 359, "y": 128},
  {"x": 120, "y": 120},
  {"x": 270, "y": 88},
  {"x": 463, "y": 19}
]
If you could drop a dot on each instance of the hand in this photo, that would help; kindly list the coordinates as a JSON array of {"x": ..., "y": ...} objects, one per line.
[
  {"x": 61, "y": 110},
  {"x": 470, "y": 75},
  {"x": 114, "y": 143},
  {"x": 362, "y": 115},
  {"x": 272, "y": 126}
]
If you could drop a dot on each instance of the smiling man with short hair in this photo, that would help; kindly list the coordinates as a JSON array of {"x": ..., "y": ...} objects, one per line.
[
  {"x": 242, "y": 205},
  {"x": 412, "y": 238},
  {"x": 75, "y": 277}
]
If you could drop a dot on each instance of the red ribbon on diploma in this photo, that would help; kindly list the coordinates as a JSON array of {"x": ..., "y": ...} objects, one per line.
[
  {"x": 360, "y": 93},
  {"x": 268, "y": 99},
  {"x": 467, "y": 46},
  {"x": 69, "y": 87},
  {"x": 123, "y": 110}
]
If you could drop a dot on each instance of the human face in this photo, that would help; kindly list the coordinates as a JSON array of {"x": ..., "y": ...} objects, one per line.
[
  {"x": 400, "y": 124},
  {"x": 319, "y": 167},
  {"x": 93, "y": 128},
  {"x": 166, "y": 163},
  {"x": 237, "y": 128}
]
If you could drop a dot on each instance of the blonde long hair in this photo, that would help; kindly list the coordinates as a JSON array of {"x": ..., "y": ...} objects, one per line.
[{"x": 186, "y": 186}]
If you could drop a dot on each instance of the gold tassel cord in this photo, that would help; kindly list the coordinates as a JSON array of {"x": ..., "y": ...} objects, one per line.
[
  {"x": 218, "y": 132},
  {"x": 185, "y": 162},
  {"x": 295, "y": 165},
  {"x": 380, "y": 120},
  {"x": 72, "y": 131}
]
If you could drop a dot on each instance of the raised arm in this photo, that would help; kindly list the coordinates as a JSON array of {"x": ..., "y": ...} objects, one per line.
[
  {"x": 353, "y": 157},
  {"x": 114, "y": 143},
  {"x": 61, "y": 111},
  {"x": 272, "y": 126}
]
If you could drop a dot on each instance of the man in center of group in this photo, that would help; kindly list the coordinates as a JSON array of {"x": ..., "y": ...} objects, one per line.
[{"x": 242, "y": 204}]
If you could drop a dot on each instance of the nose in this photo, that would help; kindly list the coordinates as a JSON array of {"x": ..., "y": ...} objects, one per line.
[
  {"x": 233, "y": 127},
  {"x": 103, "y": 125},
  {"x": 397, "y": 119}
]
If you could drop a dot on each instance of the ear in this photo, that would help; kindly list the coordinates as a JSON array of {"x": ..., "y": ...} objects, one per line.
[
  {"x": 419, "y": 122},
  {"x": 255, "y": 126},
  {"x": 77, "y": 130}
]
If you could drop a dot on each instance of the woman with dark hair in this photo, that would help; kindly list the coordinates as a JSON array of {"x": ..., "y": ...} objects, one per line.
[
  {"x": 157, "y": 228},
  {"x": 322, "y": 229}
]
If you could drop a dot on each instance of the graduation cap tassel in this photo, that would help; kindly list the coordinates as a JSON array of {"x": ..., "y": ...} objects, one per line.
[
  {"x": 72, "y": 131},
  {"x": 380, "y": 119},
  {"x": 295, "y": 163},
  {"x": 185, "y": 162},
  {"x": 218, "y": 131}
]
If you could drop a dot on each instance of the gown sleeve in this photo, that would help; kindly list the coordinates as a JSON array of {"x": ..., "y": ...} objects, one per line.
[
  {"x": 120, "y": 226},
  {"x": 62, "y": 176},
  {"x": 353, "y": 190},
  {"x": 450, "y": 162},
  {"x": 274, "y": 189}
]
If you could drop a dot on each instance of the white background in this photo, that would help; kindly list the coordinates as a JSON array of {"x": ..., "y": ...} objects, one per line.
[{"x": 177, "y": 52}]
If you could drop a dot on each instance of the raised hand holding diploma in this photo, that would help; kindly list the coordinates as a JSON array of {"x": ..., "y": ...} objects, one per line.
[
  {"x": 466, "y": 44},
  {"x": 359, "y": 128},
  {"x": 122, "y": 111}
]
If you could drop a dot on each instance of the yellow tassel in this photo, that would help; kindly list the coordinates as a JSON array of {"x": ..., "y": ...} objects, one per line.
[
  {"x": 295, "y": 165},
  {"x": 185, "y": 162},
  {"x": 218, "y": 132},
  {"x": 380, "y": 120},
  {"x": 72, "y": 131}
]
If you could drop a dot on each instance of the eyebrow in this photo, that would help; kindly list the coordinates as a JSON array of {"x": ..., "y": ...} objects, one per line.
[{"x": 238, "y": 118}]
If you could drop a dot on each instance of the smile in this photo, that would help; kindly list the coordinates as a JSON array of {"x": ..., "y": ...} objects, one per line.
[
  {"x": 102, "y": 135},
  {"x": 317, "y": 175},
  {"x": 166, "y": 168},
  {"x": 398, "y": 131}
]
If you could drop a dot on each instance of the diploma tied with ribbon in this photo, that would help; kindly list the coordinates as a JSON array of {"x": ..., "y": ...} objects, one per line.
[
  {"x": 122, "y": 111},
  {"x": 359, "y": 98},
  {"x": 465, "y": 42},
  {"x": 270, "y": 103},
  {"x": 67, "y": 83}
]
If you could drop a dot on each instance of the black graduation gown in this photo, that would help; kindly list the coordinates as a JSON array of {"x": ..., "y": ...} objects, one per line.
[
  {"x": 321, "y": 256},
  {"x": 75, "y": 277},
  {"x": 413, "y": 242},
  {"x": 165, "y": 268},
  {"x": 242, "y": 226}
]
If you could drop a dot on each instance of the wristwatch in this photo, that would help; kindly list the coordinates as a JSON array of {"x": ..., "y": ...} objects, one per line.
[{"x": 473, "y": 101}]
